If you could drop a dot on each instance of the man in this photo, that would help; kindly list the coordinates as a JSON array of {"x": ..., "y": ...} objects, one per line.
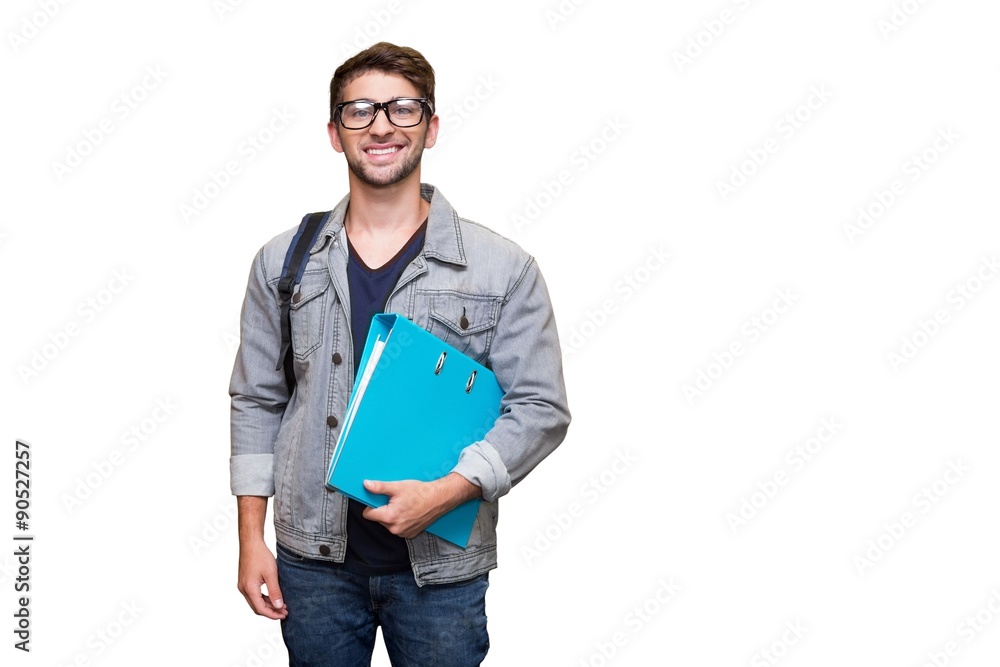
[{"x": 392, "y": 245}]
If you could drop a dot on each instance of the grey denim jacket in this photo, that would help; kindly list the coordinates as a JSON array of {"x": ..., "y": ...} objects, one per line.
[{"x": 282, "y": 444}]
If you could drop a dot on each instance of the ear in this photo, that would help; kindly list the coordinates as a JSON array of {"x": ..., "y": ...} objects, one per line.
[
  {"x": 432, "y": 131},
  {"x": 333, "y": 129}
]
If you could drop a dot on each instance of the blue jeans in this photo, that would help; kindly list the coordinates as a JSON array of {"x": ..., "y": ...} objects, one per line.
[{"x": 333, "y": 614}]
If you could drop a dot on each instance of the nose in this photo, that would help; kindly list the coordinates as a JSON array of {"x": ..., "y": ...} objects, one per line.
[{"x": 380, "y": 124}]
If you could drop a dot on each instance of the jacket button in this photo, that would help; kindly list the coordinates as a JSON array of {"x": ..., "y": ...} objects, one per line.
[
  {"x": 337, "y": 358},
  {"x": 324, "y": 550},
  {"x": 464, "y": 322},
  {"x": 331, "y": 421},
  {"x": 297, "y": 297}
]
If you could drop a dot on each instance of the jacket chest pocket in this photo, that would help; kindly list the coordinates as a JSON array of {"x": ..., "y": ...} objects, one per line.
[
  {"x": 466, "y": 322},
  {"x": 308, "y": 312}
]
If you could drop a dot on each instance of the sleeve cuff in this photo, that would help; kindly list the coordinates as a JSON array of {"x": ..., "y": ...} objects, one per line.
[
  {"x": 252, "y": 475},
  {"x": 480, "y": 463}
]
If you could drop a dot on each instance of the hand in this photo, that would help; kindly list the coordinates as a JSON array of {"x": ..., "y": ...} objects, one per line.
[
  {"x": 257, "y": 566},
  {"x": 415, "y": 505}
]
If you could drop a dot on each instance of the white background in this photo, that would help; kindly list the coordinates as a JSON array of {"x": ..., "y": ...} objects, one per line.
[{"x": 151, "y": 541}]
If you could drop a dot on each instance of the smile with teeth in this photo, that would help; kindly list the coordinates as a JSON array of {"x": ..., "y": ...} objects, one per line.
[{"x": 382, "y": 151}]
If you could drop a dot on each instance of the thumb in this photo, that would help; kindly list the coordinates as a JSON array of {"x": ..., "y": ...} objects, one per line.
[
  {"x": 273, "y": 590},
  {"x": 381, "y": 488}
]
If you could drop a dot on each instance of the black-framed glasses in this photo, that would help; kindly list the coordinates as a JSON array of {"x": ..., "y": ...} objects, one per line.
[{"x": 402, "y": 112}]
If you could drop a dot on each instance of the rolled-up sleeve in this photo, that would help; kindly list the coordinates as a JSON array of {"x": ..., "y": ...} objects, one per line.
[
  {"x": 258, "y": 391},
  {"x": 527, "y": 360}
]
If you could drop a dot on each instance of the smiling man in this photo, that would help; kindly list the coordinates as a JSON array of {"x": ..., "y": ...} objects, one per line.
[{"x": 393, "y": 244}]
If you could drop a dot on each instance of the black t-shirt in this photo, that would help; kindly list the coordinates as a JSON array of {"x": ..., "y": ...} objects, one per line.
[{"x": 371, "y": 548}]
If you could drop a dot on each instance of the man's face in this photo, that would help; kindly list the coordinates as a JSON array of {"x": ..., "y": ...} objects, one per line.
[{"x": 383, "y": 154}]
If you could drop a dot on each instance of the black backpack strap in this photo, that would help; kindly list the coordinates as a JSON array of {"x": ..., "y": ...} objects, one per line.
[{"x": 291, "y": 274}]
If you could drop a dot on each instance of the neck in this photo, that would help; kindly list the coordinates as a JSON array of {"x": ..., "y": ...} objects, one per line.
[{"x": 395, "y": 208}]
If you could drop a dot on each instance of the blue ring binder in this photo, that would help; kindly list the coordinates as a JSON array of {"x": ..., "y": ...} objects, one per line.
[{"x": 404, "y": 422}]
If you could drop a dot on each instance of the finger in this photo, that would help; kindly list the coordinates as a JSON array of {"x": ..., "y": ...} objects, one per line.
[
  {"x": 273, "y": 597},
  {"x": 382, "y": 488},
  {"x": 254, "y": 598},
  {"x": 260, "y": 603},
  {"x": 374, "y": 513},
  {"x": 272, "y": 613}
]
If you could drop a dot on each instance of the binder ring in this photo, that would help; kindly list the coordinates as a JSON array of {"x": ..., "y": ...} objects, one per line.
[
  {"x": 472, "y": 381},
  {"x": 440, "y": 363}
]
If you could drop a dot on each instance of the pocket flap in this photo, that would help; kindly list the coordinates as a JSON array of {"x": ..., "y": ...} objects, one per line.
[
  {"x": 465, "y": 314},
  {"x": 313, "y": 284}
]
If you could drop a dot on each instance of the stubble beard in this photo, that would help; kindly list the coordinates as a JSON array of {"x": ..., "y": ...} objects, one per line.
[{"x": 378, "y": 177}]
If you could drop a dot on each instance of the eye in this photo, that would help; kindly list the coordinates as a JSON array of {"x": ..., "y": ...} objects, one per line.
[
  {"x": 358, "y": 111},
  {"x": 404, "y": 109}
]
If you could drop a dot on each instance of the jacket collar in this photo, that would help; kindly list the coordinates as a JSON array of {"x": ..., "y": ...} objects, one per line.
[{"x": 442, "y": 241}]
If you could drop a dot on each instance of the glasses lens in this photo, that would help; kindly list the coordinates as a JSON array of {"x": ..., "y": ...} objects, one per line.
[
  {"x": 357, "y": 115},
  {"x": 406, "y": 113},
  {"x": 401, "y": 113}
]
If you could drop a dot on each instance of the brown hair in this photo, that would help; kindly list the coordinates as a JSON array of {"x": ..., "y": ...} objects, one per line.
[{"x": 388, "y": 58}]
